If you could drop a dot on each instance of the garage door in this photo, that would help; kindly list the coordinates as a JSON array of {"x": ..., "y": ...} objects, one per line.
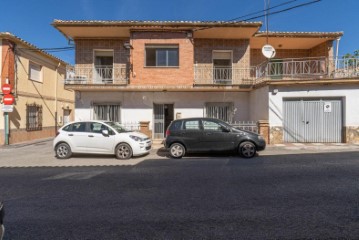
[{"x": 316, "y": 121}]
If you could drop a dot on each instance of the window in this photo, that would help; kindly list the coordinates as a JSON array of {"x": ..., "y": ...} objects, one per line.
[
  {"x": 223, "y": 111},
  {"x": 211, "y": 126},
  {"x": 78, "y": 127},
  {"x": 222, "y": 66},
  {"x": 103, "y": 66},
  {"x": 33, "y": 117},
  {"x": 162, "y": 56},
  {"x": 107, "y": 112},
  {"x": 35, "y": 72},
  {"x": 191, "y": 125},
  {"x": 98, "y": 127}
]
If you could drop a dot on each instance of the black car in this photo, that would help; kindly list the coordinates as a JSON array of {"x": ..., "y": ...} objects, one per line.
[{"x": 209, "y": 134}]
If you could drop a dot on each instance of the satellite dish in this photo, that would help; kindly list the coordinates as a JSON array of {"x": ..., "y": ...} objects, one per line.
[{"x": 268, "y": 51}]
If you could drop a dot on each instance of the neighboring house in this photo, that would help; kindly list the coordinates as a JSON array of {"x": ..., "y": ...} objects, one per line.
[
  {"x": 42, "y": 104},
  {"x": 157, "y": 71}
]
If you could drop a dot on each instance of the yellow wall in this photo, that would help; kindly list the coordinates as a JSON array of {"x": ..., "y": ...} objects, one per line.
[{"x": 49, "y": 93}]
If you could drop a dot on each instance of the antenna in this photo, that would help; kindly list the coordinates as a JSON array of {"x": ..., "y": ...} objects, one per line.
[{"x": 267, "y": 50}]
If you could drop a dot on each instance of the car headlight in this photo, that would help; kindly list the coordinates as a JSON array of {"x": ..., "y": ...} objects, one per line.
[
  {"x": 260, "y": 137},
  {"x": 137, "y": 139}
]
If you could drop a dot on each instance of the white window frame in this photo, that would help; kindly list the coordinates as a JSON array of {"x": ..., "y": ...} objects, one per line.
[
  {"x": 40, "y": 72},
  {"x": 94, "y": 55}
]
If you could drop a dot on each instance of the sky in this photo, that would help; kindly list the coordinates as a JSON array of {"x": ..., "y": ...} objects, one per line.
[{"x": 31, "y": 19}]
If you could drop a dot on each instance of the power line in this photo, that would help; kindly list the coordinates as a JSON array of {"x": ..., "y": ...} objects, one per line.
[
  {"x": 59, "y": 49},
  {"x": 250, "y": 14},
  {"x": 260, "y": 16}
]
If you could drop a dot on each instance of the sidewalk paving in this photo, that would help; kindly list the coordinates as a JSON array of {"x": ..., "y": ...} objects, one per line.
[
  {"x": 39, "y": 153},
  {"x": 288, "y": 146}
]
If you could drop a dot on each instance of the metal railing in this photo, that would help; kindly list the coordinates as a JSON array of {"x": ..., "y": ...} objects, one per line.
[
  {"x": 223, "y": 75},
  {"x": 293, "y": 68},
  {"x": 131, "y": 126},
  {"x": 251, "y": 126},
  {"x": 344, "y": 68},
  {"x": 97, "y": 75},
  {"x": 286, "y": 69}
]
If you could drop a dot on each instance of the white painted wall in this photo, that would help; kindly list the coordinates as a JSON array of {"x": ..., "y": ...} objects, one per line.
[
  {"x": 349, "y": 93},
  {"x": 138, "y": 106},
  {"x": 258, "y": 102}
]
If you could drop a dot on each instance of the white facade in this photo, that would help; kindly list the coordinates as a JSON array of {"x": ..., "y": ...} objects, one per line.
[
  {"x": 138, "y": 106},
  {"x": 348, "y": 93}
]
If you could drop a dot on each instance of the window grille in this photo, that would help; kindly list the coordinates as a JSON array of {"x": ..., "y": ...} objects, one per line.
[
  {"x": 223, "y": 111},
  {"x": 33, "y": 117}
]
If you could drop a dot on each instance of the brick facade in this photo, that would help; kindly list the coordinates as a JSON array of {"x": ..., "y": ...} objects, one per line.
[
  {"x": 22, "y": 135},
  {"x": 142, "y": 75},
  {"x": 8, "y": 62},
  {"x": 203, "y": 49},
  {"x": 322, "y": 50},
  {"x": 85, "y": 50}
]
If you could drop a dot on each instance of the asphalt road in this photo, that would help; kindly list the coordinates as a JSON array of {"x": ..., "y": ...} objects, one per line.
[{"x": 198, "y": 197}]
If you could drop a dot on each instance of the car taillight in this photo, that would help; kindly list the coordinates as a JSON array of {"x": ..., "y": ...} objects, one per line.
[
  {"x": 57, "y": 133},
  {"x": 167, "y": 132}
]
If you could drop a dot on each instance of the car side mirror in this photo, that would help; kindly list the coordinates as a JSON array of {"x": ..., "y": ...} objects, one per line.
[{"x": 105, "y": 132}]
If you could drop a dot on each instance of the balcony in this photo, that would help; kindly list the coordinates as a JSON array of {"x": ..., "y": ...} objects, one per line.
[
  {"x": 97, "y": 75},
  {"x": 307, "y": 68},
  {"x": 280, "y": 69},
  {"x": 204, "y": 75}
]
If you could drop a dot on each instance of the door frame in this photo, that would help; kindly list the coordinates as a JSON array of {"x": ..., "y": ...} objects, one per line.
[{"x": 153, "y": 117}]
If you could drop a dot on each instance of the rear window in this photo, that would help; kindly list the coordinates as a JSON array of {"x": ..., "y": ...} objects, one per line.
[{"x": 176, "y": 126}]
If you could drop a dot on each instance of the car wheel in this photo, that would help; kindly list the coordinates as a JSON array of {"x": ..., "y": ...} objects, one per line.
[
  {"x": 177, "y": 150},
  {"x": 247, "y": 149},
  {"x": 63, "y": 151},
  {"x": 123, "y": 151}
]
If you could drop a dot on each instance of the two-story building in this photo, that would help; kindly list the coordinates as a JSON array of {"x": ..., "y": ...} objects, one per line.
[
  {"x": 42, "y": 104},
  {"x": 157, "y": 71}
]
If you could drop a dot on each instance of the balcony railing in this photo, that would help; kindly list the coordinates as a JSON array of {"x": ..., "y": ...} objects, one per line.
[
  {"x": 308, "y": 68},
  {"x": 97, "y": 75},
  {"x": 292, "y": 68},
  {"x": 344, "y": 68},
  {"x": 281, "y": 69},
  {"x": 223, "y": 75}
]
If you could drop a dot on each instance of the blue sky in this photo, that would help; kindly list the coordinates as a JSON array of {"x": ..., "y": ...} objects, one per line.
[{"x": 31, "y": 20}]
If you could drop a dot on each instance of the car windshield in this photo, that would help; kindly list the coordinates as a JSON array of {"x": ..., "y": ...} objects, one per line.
[{"x": 117, "y": 127}]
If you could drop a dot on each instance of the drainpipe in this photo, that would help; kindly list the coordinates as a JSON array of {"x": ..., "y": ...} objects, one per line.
[
  {"x": 336, "y": 54},
  {"x": 56, "y": 81}
]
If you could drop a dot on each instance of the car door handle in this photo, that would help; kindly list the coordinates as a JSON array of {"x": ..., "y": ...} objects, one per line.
[
  {"x": 91, "y": 136},
  {"x": 208, "y": 134},
  {"x": 70, "y": 134}
]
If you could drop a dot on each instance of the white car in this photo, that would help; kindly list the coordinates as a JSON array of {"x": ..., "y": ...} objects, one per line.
[{"x": 100, "y": 137}]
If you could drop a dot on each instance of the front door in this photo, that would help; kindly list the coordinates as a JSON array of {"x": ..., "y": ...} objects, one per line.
[{"x": 163, "y": 116}]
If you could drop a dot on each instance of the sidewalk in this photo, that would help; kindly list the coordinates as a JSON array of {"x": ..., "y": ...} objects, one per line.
[
  {"x": 285, "y": 146},
  {"x": 39, "y": 153}
]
